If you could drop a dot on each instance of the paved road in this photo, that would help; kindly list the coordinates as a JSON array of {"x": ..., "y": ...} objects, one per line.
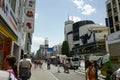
[
  {"x": 52, "y": 74},
  {"x": 65, "y": 76}
]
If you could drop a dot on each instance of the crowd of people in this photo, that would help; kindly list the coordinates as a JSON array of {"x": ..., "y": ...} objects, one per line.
[
  {"x": 38, "y": 63},
  {"x": 25, "y": 65}
]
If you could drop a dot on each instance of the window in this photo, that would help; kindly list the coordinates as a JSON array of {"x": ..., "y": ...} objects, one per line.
[
  {"x": 13, "y": 5},
  {"x": 116, "y": 18},
  {"x": 115, "y": 10},
  {"x": 117, "y": 27},
  {"x": 111, "y": 21},
  {"x": 108, "y": 6},
  {"x": 113, "y": 2},
  {"x": 112, "y": 30}
]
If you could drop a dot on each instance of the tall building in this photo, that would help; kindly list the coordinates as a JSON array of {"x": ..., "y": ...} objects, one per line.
[
  {"x": 46, "y": 44},
  {"x": 16, "y": 28},
  {"x": 10, "y": 29},
  {"x": 69, "y": 33},
  {"x": 85, "y": 37},
  {"x": 113, "y": 13}
]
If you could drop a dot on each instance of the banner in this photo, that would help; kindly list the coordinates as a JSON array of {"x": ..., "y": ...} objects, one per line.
[{"x": 29, "y": 16}]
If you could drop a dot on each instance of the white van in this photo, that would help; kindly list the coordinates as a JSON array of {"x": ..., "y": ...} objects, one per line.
[{"x": 73, "y": 62}]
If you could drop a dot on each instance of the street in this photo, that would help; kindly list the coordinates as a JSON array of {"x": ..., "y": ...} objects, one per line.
[{"x": 52, "y": 74}]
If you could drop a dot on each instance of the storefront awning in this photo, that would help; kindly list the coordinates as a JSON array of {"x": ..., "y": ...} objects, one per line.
[{"x": 7, "y": 33}]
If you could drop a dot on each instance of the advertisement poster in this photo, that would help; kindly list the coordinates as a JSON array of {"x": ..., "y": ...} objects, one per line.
[
  {"x": 29, "y": 24},
  {"x": 29, "y": 16}
]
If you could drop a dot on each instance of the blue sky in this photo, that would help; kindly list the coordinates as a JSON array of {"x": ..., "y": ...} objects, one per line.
[{"x": 51, "y": 15}]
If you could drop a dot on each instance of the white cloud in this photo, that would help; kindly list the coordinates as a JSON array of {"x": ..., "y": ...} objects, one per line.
[
  {"x": 79, "y": 3},
  {"x": 86, "y": 9},
  {"x": 74, "y": 18},
  {"x": 36, "y": 42}
]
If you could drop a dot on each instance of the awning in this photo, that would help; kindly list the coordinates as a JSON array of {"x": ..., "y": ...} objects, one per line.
[{"x": 6, "y": 33}]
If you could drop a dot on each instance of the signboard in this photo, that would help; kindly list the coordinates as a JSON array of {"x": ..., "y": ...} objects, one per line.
[
  {"x": 115, "y": 59},
  {"x": 29, "y": 15},
  {"x": 30, "y": 4},
  {"x": 50, "y": 50},
  {"x": 114, "y": 37},
  {"x": 86, "y": 37},
  {"x": 8, "y": 15}
]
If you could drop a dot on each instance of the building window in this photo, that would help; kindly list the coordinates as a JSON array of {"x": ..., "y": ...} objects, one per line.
[
  {"x": 108, "y": 6},
  {"x": 13, "y": 5},
  {"x": 112, "y": 30},
  {"x": 115, "y": 10},
  {"x": 119, "y": 1},
  {"x": 117, "y": 27},
  {"x": 111, "y": 22},
  {"x": 116, "y": 18},
  {"x": 113, "y": 2}
]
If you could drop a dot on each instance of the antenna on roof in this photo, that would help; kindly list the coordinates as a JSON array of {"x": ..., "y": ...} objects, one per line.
[{"x": 68, "y": 17}]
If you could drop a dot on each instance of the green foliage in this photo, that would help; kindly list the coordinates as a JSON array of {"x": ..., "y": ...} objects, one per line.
[{"x": 65, "y": 48}]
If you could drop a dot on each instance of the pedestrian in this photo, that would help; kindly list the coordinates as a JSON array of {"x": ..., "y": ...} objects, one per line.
[
  {"x": 12, "y": 67},
  {"x": 90, "y": 72},
  {"x": 25, "y": 67},
  {"x": 66, "y": 66},
  {"x": 48, "y": 63},
  {"x": 35, "y": 64},
  {"x": 58, "y": 64},
  {"x": 118, "y": 74}
]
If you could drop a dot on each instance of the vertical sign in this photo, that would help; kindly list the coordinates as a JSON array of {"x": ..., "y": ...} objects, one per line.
[{"x": 29, "y": 16}]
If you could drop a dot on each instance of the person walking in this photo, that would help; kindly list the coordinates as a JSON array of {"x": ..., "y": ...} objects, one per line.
[
  {"x": 12, "y": 67},
  {"x": 90, "y": 72},
  {"x": 48, "y": 64},
  {"x": 58, "y": 64},
  {"x": 25, "y": 65}
]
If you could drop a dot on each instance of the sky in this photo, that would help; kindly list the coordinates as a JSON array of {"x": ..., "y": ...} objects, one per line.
[{"x": 50, "y": 17}]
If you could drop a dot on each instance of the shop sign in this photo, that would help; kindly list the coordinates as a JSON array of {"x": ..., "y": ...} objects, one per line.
[
  {"x": 8, "y": 14},
  {"x": 115, "y": 59},
  {"x": 114, "y": 37},
  {"x": 29, "y": 16},
  {"x": 30, "y": 4}
]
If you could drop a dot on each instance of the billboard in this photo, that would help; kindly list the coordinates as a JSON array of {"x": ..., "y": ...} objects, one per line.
[
  {"x": 85, "y": 35},
  {"x": 49, "y": 50},
  {"x": 29, "y": 16}
]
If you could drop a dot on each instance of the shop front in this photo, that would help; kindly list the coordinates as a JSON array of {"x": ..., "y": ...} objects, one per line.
[{"x": 6, "y": 38}]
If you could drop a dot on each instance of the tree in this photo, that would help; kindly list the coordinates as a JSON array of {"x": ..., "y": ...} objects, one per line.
[{"x": 65, "y": 48}]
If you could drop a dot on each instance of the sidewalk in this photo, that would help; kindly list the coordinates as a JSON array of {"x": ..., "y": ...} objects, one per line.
[{"x": 42, "y": 74}]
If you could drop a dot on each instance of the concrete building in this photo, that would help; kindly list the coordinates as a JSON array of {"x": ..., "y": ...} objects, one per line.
[
  {"x": 13, "y": 30},
  {"x": 113, "y": 13},
  {"x": 57, "y": 50},
  {"x": 84, "y": 37},
  {"x": 68, "y": 33}
]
